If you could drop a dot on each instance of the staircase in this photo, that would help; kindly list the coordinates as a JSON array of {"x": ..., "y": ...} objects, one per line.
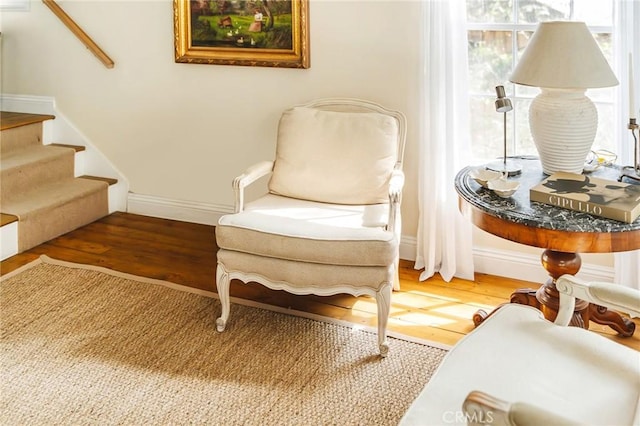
[{"x": 40, "y": 196}]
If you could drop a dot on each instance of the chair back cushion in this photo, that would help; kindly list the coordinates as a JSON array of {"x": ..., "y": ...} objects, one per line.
[{"x": 334, "y": 157}]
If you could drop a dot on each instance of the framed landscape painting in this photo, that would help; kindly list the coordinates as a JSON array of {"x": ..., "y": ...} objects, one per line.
[{"x": 267, "y": 33}]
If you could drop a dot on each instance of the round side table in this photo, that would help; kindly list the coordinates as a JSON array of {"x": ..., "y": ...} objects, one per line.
[{"x": 562, "y": 233}]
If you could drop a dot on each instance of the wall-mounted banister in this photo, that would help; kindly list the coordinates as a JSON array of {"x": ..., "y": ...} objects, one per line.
[{"x": 82, "y": 36}]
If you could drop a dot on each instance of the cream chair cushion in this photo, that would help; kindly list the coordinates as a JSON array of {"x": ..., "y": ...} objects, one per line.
[
  {"x": 335, "y": 157},
  {"x": 307, "y": 231}
]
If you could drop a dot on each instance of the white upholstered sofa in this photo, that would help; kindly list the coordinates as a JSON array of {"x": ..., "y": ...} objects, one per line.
[{"x": 518, "y": 368}]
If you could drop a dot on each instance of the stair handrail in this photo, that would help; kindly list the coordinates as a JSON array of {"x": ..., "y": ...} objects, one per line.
[{"x": 78, "y": 32}]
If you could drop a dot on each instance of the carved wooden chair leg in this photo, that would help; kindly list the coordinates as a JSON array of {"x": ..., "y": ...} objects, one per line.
[
  {"x": 383, "y": 300},
  {"x": 223, "y": 282}
]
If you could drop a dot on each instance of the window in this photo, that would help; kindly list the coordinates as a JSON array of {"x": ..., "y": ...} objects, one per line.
[{"x": 498, "y": 32}]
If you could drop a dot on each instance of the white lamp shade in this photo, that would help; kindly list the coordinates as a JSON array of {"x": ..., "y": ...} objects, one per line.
[{"x": 563, "y": 55}]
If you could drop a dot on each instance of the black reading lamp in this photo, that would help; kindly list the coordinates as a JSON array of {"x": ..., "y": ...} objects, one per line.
[{"x": 507, "y": 165}]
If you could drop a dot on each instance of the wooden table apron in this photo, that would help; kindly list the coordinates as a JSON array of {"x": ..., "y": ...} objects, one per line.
[{"x": 562, "y": 233}]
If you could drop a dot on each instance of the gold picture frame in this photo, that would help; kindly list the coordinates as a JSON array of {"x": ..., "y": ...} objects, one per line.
[{"x": 263, "y": 33}]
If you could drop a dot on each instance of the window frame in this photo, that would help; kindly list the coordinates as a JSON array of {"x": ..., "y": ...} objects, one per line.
[{"x": 519, "y": 94}]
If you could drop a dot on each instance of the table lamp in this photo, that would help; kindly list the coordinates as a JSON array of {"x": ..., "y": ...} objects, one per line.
[
  {"x": 507, "y": 165},
  {"x": 563, "y": 60}
]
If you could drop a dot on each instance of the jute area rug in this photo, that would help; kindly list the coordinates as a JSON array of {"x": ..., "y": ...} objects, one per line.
[{"x": 83, "y": 345}]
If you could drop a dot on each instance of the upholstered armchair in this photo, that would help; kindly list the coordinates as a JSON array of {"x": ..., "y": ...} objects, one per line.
[
  {"x": 517, "y": 368},
  {"x": 330, "y": 222}
]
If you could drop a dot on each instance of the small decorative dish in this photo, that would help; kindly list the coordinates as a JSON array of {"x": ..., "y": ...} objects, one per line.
[
  {"x": 482, "y": 175},
  {"x": 503, "y": 188}
]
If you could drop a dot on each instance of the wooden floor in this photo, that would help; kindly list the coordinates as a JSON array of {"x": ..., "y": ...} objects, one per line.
[{"x": 185, "y": 253}]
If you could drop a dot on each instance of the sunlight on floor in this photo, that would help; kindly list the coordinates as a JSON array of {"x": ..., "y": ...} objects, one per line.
[
  {"x": 431, "y": 296},
  {"x": 409, "y": 299},
  {"x": 444, "y": 317},
  {"x": 368, "y": 305},
  {"x": 420, "y": 318},
  {"x": 430, "y": 310},
  {"x": 461, "y": 311}
]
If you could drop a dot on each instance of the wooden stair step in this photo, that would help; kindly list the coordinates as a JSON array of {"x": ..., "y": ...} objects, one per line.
[
  {"x": 57, "y": 208},
  {"x": 6, "y": 219},
  {"x": 10, "y": 120},
  {"x": 50, "y": 195},
  {"x": 80, "y": 148},
  {"x": 76, "y": 148},
  {"x": 42, "y": 199},
  {"x": 110, "y": 181},
  {"x": 32, "y": 167}
]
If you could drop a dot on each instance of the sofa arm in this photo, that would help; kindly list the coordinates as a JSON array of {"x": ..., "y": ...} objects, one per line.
[
  {"x": 612, "y": 296},
  {"x": 249, "y": 176},
  {"x": 483, "y": 409}
]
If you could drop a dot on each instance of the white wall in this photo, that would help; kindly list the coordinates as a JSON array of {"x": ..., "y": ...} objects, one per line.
[{"x": 183, "y": 131}]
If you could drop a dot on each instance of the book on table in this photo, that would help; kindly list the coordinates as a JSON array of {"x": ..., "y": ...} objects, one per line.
[{"x": 588, "y": 194}]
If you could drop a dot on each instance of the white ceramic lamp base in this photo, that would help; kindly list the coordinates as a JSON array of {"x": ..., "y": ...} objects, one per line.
[{"x": 563, "y": 124}]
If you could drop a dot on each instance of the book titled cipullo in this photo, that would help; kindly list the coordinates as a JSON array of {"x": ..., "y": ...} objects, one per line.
[{"x": 595, "y": 196}]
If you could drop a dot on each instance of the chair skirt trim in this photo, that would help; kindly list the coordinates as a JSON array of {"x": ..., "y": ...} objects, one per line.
[{"x": 382, "y": 295}]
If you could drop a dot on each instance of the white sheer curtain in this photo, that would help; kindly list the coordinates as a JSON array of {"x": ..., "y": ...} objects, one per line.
[
  {"x": 444, "y": 237},
  {"x": 626, "y": 40}
]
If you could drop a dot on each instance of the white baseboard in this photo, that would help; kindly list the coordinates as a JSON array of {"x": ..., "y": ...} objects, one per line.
[
  {"x": 185, "y": 211},
  {"x": 28, "y": 103},
  {"x": 527, "y": 267},
  {"x": 408, "y": 248},
  {"x": 502, "y": 263}
]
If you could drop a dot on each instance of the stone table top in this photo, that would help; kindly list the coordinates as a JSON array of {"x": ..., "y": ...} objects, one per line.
[{"x": 519, "y": 209}]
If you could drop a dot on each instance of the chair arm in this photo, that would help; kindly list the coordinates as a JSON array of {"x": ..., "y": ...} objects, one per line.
[
  {"x": 249, "y": 176},
  {"x": 612, "y": 296},
  {"x": 396, "y": 184},
  {"x": 483, "y": 409}
]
